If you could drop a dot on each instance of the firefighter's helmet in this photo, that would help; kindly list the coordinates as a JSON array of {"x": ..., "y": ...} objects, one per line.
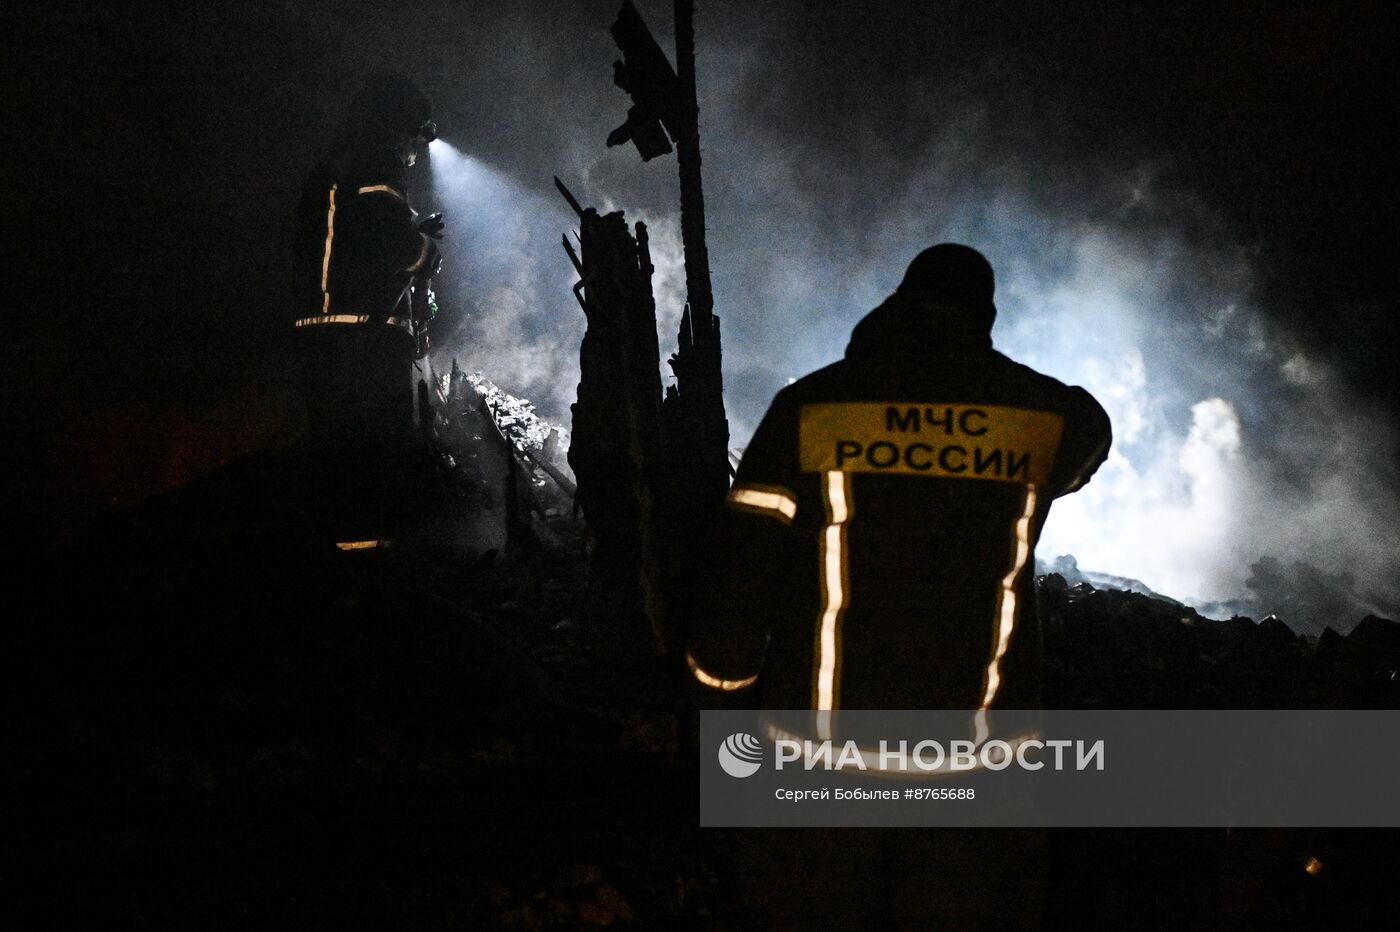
[{"x": 392, "y": 110}]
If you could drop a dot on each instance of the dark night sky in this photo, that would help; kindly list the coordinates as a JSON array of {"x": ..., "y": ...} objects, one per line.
[{"x": 1190, "y": 206}]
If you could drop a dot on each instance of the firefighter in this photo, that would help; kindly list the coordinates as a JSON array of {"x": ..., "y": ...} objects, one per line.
[
  {"x": 877, "y": 552},
  {"x": 364, "y": 261}
]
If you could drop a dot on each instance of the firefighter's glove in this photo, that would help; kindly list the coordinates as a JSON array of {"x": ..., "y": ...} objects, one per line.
[{"x": 432, "y": 226}]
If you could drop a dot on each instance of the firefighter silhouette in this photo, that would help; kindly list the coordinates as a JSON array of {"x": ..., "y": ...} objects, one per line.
[
  {"x": 878, "y": 553},
  {"x": 364, "y": 262}
]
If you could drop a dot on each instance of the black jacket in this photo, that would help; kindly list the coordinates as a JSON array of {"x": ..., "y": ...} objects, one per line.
[
  {"x": 878, "y": 547},
  {"x": 359, "y": 245}
]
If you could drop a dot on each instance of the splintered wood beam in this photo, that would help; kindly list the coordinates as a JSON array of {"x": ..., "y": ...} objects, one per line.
[
  {"x": 568, "y": 196},
  {"x": 573, "y": 256}
]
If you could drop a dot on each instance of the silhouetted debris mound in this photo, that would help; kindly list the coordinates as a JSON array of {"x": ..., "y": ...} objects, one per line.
[
  {"x": 1358, "y": 671},
  {"x": 1379, "y": 636},
  {"x": 1067, "y": 567},
  {"x": 1126, "y": 650}
]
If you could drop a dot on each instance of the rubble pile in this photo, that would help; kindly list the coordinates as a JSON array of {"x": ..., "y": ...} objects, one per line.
[
  {"x": 501, "y": 469},
  {"x": 1111, "y": 649},
  {"x": 518, "y": 418},
  {"x": 1068, "y": 567}
]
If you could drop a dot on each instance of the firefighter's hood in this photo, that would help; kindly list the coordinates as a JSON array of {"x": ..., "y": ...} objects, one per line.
[{"x": 908, "y": 322}]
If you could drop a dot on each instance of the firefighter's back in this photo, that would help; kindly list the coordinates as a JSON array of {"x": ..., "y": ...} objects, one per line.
[{"x": 939, "y": 464}]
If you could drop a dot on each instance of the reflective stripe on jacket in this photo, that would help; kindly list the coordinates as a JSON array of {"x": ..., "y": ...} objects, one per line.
[{"x": 359, "y": 241}]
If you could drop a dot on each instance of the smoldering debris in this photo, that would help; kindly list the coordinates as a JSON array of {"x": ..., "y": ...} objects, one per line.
[
  {"x": 503, "y": 462},
  {"x": 517, "y": 417}
]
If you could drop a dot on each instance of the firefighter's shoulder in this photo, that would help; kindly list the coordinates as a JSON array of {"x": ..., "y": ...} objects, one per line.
[
  {"x": 1050, "y": 393},
  {"x": 829, "y": 383}
]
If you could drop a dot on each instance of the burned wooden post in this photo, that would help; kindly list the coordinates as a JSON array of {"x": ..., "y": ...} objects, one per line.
[
  {"x": 697, "y": 435},
  {"x": 616, "y": 436},
  {"x": 695, "y": 431},
  {"x": 699, "y": 376}
]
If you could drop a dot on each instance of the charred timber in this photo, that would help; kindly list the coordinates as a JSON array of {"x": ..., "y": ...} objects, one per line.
[
  {"x": 615, "y": 451},
  {"x": 697, "y": 363}
]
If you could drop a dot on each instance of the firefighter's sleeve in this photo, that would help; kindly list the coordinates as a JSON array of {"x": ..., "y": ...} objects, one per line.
[
  {"x": 1084, "y": 442},
  {"x": 747, "y": 568},
  {"x": 395, "y": 244}
]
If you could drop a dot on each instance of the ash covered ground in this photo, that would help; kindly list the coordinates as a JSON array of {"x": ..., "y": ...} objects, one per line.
[{"x": 232, "y": 723}]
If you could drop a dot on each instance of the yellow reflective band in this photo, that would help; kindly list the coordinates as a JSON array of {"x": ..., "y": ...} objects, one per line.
[
  {"x": 326, "y": 254},
  {"x": 381, "y": 188},
  {"x": 1006, "y": 611},
  {"x": 715, "y": 682},
  {"x": 943, "y": 440},
  {"x": 358, "y": 544},
  {"x": 320, "y": 319},
  {"x": 826, "y": 685},
  {"x": 422, "y": 255},
  {"x": 768, "y": 500}
]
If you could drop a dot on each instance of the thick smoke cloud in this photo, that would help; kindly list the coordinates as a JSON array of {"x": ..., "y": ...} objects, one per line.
[{"x": 1247, "y": 470}]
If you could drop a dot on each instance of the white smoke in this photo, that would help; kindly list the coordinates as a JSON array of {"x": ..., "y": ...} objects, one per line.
[
  {"x": 505, "y": 281},
  {"x": 1233, "y": 442}
]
